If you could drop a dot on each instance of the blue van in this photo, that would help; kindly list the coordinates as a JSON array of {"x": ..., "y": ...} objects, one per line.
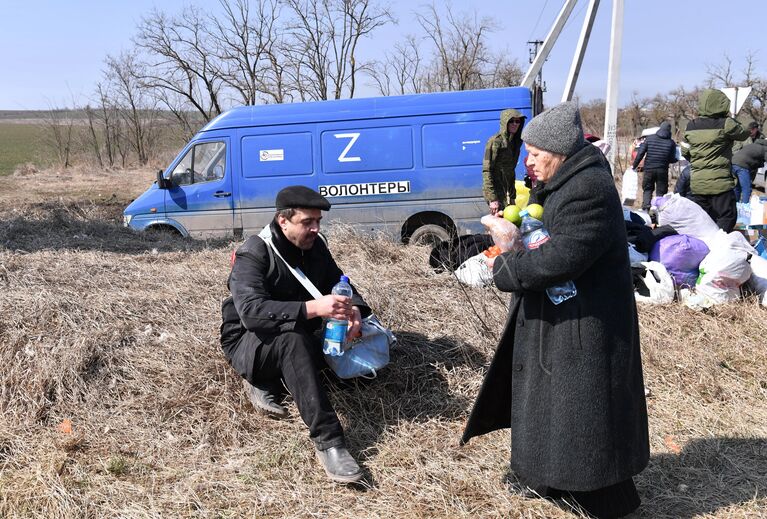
[{"x": 409, "y": 167}]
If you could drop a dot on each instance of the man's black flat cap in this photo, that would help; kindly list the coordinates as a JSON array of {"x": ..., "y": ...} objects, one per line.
[{"x": 300, "y": 197}]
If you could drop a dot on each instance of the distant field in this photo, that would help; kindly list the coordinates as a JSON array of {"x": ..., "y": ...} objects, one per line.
[{"x": 19, "y": 143}]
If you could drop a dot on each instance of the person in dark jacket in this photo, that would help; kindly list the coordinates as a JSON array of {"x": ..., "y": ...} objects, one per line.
[
  {"x": 754, "y": 134},
  {"x": 500, "y": 162},
  {"x": 711, "y": 136},
  {"x": 567, "y": 378},
  {"x": 270, "y": 318},
  {"x": 658, "y": 151},
  {"x": 745, "y": 163}
]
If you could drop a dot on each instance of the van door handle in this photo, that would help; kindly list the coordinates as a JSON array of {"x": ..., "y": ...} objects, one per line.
[{"x": 221, "y": 194}]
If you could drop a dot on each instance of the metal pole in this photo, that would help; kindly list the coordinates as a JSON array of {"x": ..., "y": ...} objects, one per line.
[
  {"x": 548, "y": 43},
  {"x": 580, "y": 50},
  {"x": 613, "y": 81}
]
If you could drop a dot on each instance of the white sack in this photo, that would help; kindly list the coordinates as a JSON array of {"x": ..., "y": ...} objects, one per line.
[{"x": 687, "y": 217}]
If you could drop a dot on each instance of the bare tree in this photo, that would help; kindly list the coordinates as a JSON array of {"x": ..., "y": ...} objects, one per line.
[
  {"x": 756, "y": 104},
  {"x": 505, "y": 72},
  {"x": 721, "y": 74},
  {"x": 58, "y": 130},
  {"x": 400, "y": 71},
  {"x": 322, "y": 40},
  {"x": 182, "y": 59},
  {"x": 635, "y": 114},
  {"x": 109, "y": 121},
  {"x": 593, "y": 116},
  {"x": 460, "y": 48},
  {"x": 136, "y": 108},
  {"x": 243, "y": 40},
  {"x": 93, "y": 131}
]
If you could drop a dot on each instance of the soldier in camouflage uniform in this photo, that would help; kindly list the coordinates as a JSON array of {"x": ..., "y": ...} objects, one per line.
[{"x": 501, "y": 156}]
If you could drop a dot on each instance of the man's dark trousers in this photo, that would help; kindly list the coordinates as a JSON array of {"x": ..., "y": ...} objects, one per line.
[
  {"x": 296, "y": 357},
  {"x": 653, "y": 180},
  {"x": 721, "y": 208}
]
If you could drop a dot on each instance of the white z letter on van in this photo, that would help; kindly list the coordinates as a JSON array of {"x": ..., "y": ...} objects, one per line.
[{"x": 353, "y": 138}]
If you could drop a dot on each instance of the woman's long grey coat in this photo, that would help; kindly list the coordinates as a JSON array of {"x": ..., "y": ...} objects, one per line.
[{"x": 567, "y": 379}]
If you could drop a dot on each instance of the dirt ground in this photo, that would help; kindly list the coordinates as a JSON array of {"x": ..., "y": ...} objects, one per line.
[{"x": 117, "y": 402}]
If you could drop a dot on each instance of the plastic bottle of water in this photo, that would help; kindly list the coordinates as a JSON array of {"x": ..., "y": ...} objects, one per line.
[
  {"x": 534, "y": 234},
  {"x": 335, "y": 330}
]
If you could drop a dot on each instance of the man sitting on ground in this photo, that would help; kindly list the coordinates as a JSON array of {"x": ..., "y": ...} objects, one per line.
[{"x": 270, "y": 318}]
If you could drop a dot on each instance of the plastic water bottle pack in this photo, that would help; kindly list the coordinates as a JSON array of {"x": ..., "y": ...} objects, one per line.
[
  {"x": 335, "y": 329},
  {"x": 534, "y": 234}
]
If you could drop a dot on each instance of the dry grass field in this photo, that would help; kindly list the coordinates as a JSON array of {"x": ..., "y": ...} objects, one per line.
[{"x": 117, "y": 402}]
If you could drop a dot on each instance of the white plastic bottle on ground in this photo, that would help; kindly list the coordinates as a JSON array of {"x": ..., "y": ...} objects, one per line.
[{"x": 335, "y": 329}]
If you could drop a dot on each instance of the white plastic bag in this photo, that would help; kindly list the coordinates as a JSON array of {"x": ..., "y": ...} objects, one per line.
[
  {"x": 721, "y": 274},
  {"x": 475, "y": 272},
  {"x": 661, "y": 289},
  {"x": 687, "y": 217},
  {"x": 629, "y": 186},
  {"x": 733, "y": 241},
  {"x": 758, "y": 279}
]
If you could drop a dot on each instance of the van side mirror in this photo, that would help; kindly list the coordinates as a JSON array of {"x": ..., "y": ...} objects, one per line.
[{"x": 162, "y": 182}]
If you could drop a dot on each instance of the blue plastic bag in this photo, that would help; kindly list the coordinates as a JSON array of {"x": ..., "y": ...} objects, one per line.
[{"x": 367, "y": 354}]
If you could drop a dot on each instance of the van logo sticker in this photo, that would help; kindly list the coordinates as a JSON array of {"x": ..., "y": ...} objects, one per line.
[
  {"x": 464, "y": 143},
  {"x": 269, "y": 155},
  {"x": 371, "y": 188},
  {"x": 352, "y": 139}
]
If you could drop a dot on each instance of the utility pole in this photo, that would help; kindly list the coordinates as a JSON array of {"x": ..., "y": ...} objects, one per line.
[
  {"x": 613, "y": 77},
  {"x": 532, "y": 53}
]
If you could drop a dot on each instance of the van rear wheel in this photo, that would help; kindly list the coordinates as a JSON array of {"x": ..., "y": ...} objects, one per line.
[{"x": 429, "y": 234}]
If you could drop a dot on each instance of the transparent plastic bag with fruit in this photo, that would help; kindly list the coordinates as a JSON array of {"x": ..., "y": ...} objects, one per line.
[{"x": 505, "y": 234}]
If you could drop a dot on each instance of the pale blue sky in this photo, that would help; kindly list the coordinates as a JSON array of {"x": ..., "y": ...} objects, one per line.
[{"x": 52, "y": 51}]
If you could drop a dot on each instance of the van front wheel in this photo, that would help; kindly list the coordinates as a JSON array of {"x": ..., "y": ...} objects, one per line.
[{"x": 429, "y": 234}]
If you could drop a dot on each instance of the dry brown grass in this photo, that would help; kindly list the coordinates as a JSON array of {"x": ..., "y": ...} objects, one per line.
[{"x": 117, "y": 332}]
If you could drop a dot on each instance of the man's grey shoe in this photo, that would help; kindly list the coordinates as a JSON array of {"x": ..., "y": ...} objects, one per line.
[
  {"x": 339, "y": 465},
  {"x": 262, "y": 399}
]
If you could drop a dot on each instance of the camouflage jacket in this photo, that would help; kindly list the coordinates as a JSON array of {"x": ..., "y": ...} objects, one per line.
[{"x": 500, "y": 161}]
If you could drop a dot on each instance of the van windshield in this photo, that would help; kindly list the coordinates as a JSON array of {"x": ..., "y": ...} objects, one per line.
[{"x": 204, "y": 162}]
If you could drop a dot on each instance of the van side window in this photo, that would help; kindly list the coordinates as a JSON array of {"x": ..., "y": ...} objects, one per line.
[{"x": 204, "y": 162}]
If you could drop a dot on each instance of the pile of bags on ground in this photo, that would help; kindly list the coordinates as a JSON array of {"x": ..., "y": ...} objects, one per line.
[{"x": 688, "y": 256}]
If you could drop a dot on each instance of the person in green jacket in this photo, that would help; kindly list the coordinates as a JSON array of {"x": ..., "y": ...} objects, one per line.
[
  {"x": 711, "y": 136},
  {"x": 501, "y": 156}
]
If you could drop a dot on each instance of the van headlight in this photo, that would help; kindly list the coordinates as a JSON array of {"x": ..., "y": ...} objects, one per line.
[{"x": 126, "y": 219}]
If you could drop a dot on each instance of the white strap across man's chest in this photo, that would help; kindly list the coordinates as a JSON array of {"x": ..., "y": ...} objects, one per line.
[{"x": 266, "y": 235}]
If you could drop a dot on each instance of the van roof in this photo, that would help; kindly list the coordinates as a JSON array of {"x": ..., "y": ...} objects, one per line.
[{"x": 373, "y": 107}]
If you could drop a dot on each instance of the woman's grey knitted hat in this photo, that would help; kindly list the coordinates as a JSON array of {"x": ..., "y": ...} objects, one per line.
[{"x": 557, "y": 130}]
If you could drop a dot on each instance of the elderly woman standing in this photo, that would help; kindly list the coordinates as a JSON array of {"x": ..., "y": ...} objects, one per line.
[{"x": 567, "y": 378}]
